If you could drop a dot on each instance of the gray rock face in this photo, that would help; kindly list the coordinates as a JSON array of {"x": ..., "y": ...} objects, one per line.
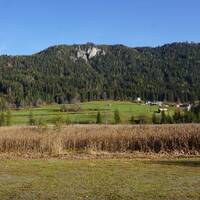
[
  {"x": 73, "y": 58},
  {"x": 82, "y": 54},
  {"x": 92, "y": 52},
  {"x": 87, "y": 54}
]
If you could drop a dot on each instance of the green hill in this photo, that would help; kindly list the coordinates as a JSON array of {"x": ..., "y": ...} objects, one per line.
[{"x": 90, "y": 72}]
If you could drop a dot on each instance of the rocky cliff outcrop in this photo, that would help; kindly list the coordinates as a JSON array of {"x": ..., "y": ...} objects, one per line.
[{"x": 89, "y": 53}]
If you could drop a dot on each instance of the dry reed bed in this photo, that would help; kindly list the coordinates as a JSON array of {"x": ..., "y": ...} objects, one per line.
[{"x": 183, "y": 138}]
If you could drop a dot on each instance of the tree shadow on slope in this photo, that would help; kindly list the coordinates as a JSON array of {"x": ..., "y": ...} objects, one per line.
[{"x": 184, "y": 163}]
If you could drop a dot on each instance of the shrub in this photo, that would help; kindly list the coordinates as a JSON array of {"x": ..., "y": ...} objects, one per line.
[
  {"x": 31, "y": 120},
  {"x": 67, "y": 121},
  {"x": 41, "y": 122},
  {"x": 58, "y": 121},
  {"x": 142, "y": 119},
  {"x": 63, "y": 108},
  {"x": 70, "y": 108}
]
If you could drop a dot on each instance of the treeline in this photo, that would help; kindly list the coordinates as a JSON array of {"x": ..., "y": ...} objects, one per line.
[
  {"x": 177, "y": 118},
  {"x": 166, "y": 73}
]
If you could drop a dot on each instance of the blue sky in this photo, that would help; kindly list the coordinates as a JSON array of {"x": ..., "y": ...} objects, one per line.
[{"x": 28, "y": 26}]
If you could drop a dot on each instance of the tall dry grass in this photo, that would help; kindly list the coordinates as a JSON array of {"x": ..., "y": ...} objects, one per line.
[{"x": 183, "y": 138}]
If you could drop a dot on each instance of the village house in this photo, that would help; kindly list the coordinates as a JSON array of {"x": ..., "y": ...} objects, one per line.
[
  {"x": 138, "y": 99},
  {"x": 162, "y": 109},
  {"x": 186, "y": 107}
]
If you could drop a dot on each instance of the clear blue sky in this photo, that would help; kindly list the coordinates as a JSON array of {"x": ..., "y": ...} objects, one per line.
[{"x": 28, "y": 26}]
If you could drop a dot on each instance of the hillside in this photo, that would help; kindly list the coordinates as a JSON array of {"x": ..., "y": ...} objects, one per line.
[{"x": 91, "y": 72}]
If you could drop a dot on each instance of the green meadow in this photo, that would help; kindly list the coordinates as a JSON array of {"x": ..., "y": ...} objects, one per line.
[
  {"x": 105, "y": 179},
  {"x": 87, "y": 113}
]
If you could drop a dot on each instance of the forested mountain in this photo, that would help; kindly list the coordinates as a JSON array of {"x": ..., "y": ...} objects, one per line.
[{"x": 89, "y": 72}]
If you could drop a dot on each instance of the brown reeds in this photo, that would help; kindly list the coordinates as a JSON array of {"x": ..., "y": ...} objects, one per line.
[{"x": 183, "y": 138}]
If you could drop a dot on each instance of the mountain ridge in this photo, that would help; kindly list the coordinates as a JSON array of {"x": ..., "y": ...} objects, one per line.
[{"x": 106, "y": 45}]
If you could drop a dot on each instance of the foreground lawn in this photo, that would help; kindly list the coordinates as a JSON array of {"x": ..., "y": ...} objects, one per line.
[{"x": 100, "y": 179}]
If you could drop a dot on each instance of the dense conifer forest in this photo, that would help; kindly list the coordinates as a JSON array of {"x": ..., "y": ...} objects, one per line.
[{"x": 63, "y": 74}]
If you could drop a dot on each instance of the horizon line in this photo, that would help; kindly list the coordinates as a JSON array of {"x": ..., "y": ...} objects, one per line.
[{"x": 103, "y": 44}]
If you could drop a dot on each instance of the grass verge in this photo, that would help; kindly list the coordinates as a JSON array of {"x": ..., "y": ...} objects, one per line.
[{"x": 116, "y": 179}]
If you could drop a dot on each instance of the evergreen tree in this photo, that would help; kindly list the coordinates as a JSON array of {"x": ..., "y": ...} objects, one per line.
[
  {"x": 163, "y": 119},
  {"x": 154, "y": 119},
  {"x": 99, "y": 118},
  {"x": 67, "y": 120},
  {"x": 177, "y": 116},
  {"x": 8, "y": 118},
  {"x": 117, "y": 117},
  {"x": 189, "y": 117},
  {"x": 132, "y": 120},
  {"x": 2, "y": 119},
  {"x": 3, "y": 105},
  {"x": 169, "y": 119}
]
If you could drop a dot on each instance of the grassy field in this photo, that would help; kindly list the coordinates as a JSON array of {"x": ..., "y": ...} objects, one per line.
[
  {"x": 88, "y": 112},
  {"x": 100, "y": 179}
]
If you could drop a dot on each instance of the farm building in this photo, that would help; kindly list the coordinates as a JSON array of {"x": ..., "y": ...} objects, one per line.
[
  {"x": 184, "y": 106},
  {"x": 162, "y": 109},
  {"x": 138, "y": 99}
]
